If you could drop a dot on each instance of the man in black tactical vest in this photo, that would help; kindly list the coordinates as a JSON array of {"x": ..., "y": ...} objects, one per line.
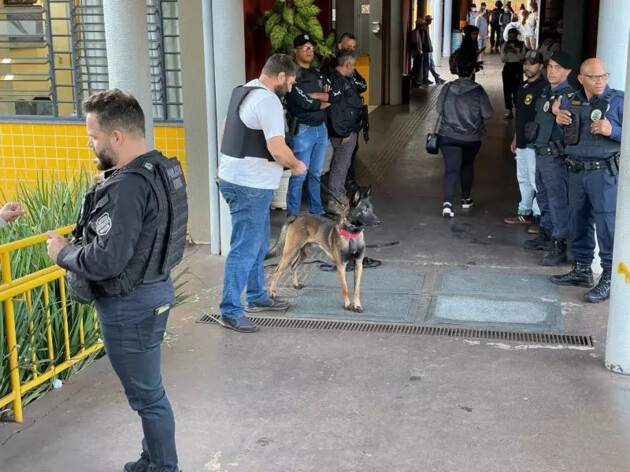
[
  {"x": 253, "y": 154},
  {"x": 131, "y": 232},
  {"x": 592, "y": 121},
  {"x": 552, "y": 178}
]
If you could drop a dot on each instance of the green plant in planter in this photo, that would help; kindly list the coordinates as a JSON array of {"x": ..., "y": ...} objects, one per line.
[{"x": 290, "y": 18}]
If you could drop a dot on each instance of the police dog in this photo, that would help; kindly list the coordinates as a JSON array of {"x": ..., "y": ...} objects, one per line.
[{"x": 342, "y": 240}]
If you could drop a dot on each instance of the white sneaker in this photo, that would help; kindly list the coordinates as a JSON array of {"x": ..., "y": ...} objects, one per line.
[{"x": 447, "y": 210}]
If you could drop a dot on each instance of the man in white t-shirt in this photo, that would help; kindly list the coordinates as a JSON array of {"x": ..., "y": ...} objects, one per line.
[
  {"x": 9, "y": 213},
  {"x": 253, "y": 155}
]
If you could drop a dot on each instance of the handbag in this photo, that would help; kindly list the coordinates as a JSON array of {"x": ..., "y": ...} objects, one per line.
[{"x": 433, "y": 139}]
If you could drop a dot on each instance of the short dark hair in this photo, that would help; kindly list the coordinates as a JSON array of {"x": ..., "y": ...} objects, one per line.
[
  {"x": 347, "y": 36},
  {"x": 278, "y": 63},
  {"x": 115, "y": 109},
  {"x": 344, "y": 55}
]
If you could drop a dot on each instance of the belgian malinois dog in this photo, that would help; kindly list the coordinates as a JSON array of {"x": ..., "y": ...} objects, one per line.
[{"x": 342, "y": 240}]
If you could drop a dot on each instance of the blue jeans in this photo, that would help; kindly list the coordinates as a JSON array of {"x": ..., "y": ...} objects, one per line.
[
  {"x": 592, "y": 206},
  {"x": 249, "y": 208},
  {"x": 309, "y": 145}
]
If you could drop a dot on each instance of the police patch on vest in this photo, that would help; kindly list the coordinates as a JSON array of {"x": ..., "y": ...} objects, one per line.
[
  {"x": 596, "y": 115},
  {"x": 528, "y": 99},
  {"x": 546, "y": 107},
  {"x": 103, "y": 224}
]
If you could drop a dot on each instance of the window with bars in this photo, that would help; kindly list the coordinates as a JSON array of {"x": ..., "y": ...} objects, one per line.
[{"x": 53, "y": 55}]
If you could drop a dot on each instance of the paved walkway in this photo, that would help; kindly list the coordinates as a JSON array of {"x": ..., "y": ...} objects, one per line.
[{"x": 309, "y": 400}]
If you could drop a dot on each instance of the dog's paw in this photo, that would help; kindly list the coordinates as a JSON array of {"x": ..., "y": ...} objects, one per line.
[
  {"x": 299, "y": 286},
  {"x": 353, "y": 308},
  {"x": 272, "y": 294}
]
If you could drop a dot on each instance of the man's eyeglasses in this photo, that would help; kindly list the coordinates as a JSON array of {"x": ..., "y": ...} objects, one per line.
[
  {"x": 597, "y": 78},
  {"x": 307, "y": 48}
]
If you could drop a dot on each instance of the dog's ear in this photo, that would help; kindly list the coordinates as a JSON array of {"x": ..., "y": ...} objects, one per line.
[
  {"x": 368, "y": 192},
  {"x": 355, "y": 198}
]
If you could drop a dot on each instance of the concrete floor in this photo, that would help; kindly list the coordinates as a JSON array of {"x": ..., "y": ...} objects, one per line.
[{"x": 301, "y": 400}]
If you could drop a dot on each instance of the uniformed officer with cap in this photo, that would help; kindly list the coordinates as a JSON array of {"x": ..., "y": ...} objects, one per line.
[
  {"x": 131, "y": 232},
  {"x": 592, "y": 121},
  {"x": 308, "y": 134},
  {"x": 551, "y": 172}
]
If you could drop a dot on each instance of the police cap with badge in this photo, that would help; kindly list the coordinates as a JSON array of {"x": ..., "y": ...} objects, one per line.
[{"x": 301, "y": 40}]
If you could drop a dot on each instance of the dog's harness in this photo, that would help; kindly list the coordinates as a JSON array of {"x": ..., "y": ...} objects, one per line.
[{"x": 347, "y": 234}]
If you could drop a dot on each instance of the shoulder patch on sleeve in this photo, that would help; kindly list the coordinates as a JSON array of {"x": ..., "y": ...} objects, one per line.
[{"x": 103, "y": 224}]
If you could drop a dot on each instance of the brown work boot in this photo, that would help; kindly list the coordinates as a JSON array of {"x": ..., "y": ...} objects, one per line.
[{"x": 519, "y": 220}]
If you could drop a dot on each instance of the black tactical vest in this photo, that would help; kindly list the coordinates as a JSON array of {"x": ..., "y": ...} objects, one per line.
[
  {"x": 545, "y": 120},
  {"x": 238, "y": 140},
  {"x": 592, "y": 146},
  {"x": 162, "y": 241}
]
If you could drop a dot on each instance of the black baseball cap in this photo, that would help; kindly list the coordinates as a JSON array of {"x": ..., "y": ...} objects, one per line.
[
  {"x": 301, "y": 40},
  {"x": 534, "y": 56},
  {"x": 562, "y": 58}
]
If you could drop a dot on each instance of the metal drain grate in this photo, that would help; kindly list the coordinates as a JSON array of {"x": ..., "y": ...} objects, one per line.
[{"x": 395, "y": 328}]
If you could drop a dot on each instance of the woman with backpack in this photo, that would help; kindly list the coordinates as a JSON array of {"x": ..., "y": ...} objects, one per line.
[{"x": 462, "y": 106}]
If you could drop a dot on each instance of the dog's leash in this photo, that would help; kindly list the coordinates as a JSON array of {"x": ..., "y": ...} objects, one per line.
[{"x": 324, "y": 187}]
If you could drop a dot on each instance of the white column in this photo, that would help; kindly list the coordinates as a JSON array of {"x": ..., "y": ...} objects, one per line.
[
  {"x": 228, "y": 31},
  {"x": 127, "y": 37},
  {"x": 436, "y": 8},
  {"x": 617, "y": 339},
  {"x": 211, "y": 126},
  {"x": 613, "y": 25},
  {"x": 447, "y": 28}
]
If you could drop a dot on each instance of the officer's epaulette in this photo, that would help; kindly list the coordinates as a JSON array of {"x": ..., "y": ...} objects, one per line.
[{"x": 570, "y": 94}]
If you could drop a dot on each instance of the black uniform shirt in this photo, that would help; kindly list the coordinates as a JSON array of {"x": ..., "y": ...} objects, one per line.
[
  {"x": 123, "y": 204},
  {"x": 307, "y": 110},
  {"x": 526, "y": 97}
]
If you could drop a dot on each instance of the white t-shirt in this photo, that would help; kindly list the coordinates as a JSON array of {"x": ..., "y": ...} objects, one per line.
[{"x": 261, "y": 110}]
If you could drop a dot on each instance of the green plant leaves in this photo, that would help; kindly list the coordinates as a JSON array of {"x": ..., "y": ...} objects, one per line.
[
  {"x": 288, "y": 14},
  {"x": 273, "y": 20}
]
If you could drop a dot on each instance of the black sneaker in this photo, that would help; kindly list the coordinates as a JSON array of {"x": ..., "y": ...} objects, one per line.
[
  {"x": 467, "y": 203},
  {"x": 142, "y": 465},
  {"x": 272, "y": 304}
]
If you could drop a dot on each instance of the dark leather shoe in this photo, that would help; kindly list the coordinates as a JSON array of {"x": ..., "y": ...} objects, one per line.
[
  {"x": 580, "y": 276},
  {"x": 557, "y": 255},
  {"x": 601, "y": 291},
  {"x": 542, "y": 242},
  {"x": 141, "y": 465},
  {"x": 242, "y": 324}
]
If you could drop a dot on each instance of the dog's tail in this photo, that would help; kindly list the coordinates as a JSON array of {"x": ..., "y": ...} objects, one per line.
[{"x": 278, "y": 247}]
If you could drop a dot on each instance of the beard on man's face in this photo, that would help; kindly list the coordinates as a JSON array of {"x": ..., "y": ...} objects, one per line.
[
  {"x": 282, "y": 89},
  {"x": 105, "y": 159}
]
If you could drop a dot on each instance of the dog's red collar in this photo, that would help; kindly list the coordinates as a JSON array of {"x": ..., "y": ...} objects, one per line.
[{"x": 347, "y": 234}]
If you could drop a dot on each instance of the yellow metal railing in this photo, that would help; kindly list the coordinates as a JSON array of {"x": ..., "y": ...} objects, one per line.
[
  {"x": 22, "y": 287},
  {"x": 623, "y": 268}
]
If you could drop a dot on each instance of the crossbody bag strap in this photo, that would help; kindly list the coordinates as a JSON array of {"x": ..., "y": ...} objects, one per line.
[{"x": 438, "y": 123}]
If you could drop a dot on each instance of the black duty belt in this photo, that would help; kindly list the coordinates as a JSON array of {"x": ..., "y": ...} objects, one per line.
[
  {"x": 555, "y": 148},
  {"x": 580, "y": 165},
  {"x": 545, "y": 151}
]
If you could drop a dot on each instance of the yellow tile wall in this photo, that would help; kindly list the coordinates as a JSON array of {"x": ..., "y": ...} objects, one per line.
[{"x": 60, "y": 149}]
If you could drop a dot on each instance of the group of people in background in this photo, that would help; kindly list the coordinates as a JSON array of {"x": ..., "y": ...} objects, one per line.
[
  {"x": 498, "y": 21},
  {"x": 566, "y": 142},
  {"x": 421, "y": 49}
]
